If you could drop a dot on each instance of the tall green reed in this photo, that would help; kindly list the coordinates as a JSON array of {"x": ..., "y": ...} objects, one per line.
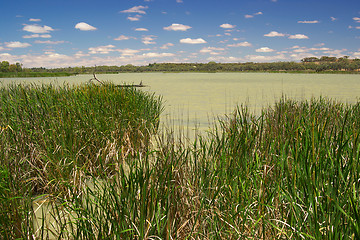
[
  {"x": 53, "y": 137},
  {"x": 290, "y": 173}
]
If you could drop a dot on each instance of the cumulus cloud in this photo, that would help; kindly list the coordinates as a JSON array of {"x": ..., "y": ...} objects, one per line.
[
  {"x": 128, "y": 52},
  {"x": 123, "y": 37},
  {"x": 177, "y": 27},
  {"x": 192, "y": 41},
  {"x": 241, "y": 44},
  {"x": 333, "y": 19},
  {"x": 227, "y": 26},
  {"x": 85, "y": 27},
  {"x": 136, "y": 9},
  {"x": 167, "y": 45},
  {"x": 37, "y": 29},
  {"x": 251, "y": 16},
  {"x": 17, "y": 45},
  {"x": 298, "y": 36},
  {"x": 212, "y": 50},
  {"x": 49, "y": 42},
  {"x": 356, "y": 19},
  {"x": 156, "y": 55},
  {"x": 141, "y": 29},
  {"x": 351, "y": 27},
  {"x": 37, "y": 36},
  {"x": 34, "y": 20},
  {"x": 264, "y": 50},
  {"x": 134, "y": 18},
  {"x": 102, "y": 49},
  {"x": 148, "y": 40},
  {"x": 275, "y": 34},
  {"x": 314, "y": 21},
  {"x": 260, "y": 58}
]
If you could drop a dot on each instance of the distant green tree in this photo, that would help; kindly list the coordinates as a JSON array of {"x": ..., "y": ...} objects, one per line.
[
  {"x": 4, "y": 66},
  {"x": 18, "y": 67},
  {"x": 309, "y": 59},
  {"x": 12, "y": 68}
]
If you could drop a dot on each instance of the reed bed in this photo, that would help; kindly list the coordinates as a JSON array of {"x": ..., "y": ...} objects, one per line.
[
  {"x": 52, "y": 138},
  {"x": 290, "y": 173}
]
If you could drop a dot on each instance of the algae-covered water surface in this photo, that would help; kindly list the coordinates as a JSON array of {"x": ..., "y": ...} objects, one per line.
[{"x": 196, "y": 98}]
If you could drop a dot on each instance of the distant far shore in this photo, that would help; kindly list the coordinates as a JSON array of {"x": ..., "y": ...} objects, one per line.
[{"x": 342, "y": 65}]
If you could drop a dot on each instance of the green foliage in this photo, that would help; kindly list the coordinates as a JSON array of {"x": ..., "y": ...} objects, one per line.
[
  {"x": 5, "y": 67},
  {"x": 307, "y": 65},
  {"x": 290, "y": 173}
]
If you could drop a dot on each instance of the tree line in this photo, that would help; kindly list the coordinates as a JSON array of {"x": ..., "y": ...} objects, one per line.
[
  {"x": 5, "y": 66},
  {"x": 310, "y": 64}
]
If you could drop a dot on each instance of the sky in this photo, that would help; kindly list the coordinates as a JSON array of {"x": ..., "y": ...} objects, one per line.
[{"x": 69, "y": 33}]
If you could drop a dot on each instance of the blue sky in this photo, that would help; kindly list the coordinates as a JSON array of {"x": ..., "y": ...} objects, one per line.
[{"x": 48, "y": 33}]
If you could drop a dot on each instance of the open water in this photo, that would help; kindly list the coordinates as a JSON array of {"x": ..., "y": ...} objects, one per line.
[{"x": 195, "y": 99}]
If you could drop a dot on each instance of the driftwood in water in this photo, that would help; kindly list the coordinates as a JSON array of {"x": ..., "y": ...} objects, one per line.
[{"x": 95, "y": 78}]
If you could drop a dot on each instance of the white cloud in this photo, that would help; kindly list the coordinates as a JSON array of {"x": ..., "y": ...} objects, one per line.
[
  {"x": 136, "y": 9},
  {"x": 242, "y": 44},
  {"x": 85, "y": 27},
  {"x": 264, "y": 50},
  {"x": 227, "y": 26},
  {"x": 260, "y": 58},
  {"x": 134, "y": 18},
  {"x": 275, "y": 34},
  {"x": 34, "y": 20},
  {"x": 177, "y": 27},
  {"x": 314, "y": 21},
  {"x": 251, "y": 16},
  {"x": 128, "y": 52},
  {"x": 37, "y": 28},
  {"x": 167, "y": 45},
  {"x": 148, "y": 40},
  {"x": 37, "y": 36},
  {"x": 101, "y": 49},
  {"x": 333, "y": 19},
  {"x": 123, "y": 37},
  {"x": 356, "y": 19},
  {"x": 350, "y": 27},
  {"x": 298, "y": 36},
  {"x": 80, "y": 54},
  {"x": 17, "y": 45},
  {"x": 49, "y": 42},
  {"x": 212, "y": 50},
  {"x": 356, "y": 54},
  {"x": 179, "y": 1},
  {"x": 192, "y": 41},
  {"x": 141, "y": 29},
  {"x": 157, "y": 55}
]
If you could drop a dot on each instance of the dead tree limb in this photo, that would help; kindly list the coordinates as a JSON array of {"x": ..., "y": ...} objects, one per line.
[{"x": 95, "y": 78}]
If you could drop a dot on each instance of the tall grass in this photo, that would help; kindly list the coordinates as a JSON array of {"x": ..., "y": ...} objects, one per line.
[
  {"x": 53, "y": 137},
  {"x": 290, "y": 173}
]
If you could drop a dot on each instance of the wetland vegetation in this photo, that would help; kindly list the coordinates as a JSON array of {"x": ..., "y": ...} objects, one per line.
[
  {"x": 90, "y": 162},
  {"x": 307, "y": 65}
]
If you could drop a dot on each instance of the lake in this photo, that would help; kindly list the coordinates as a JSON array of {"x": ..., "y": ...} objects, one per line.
[{"x": 194, "y": 99}]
